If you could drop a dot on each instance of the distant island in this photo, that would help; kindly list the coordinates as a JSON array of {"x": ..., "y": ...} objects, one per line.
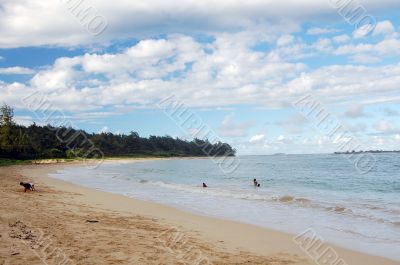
[
  {"x": 368, "y": 151},
  {"x": 44, "y": 142}
]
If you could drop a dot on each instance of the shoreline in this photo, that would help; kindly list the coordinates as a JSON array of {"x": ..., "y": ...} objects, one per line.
[{"x": 235, "y": 237}]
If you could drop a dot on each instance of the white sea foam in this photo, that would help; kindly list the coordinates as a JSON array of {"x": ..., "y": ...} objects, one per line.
[{"x": 322, "y": 192}]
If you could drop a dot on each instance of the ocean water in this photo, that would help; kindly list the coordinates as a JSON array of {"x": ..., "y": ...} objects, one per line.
[{"x": 323, "y": 192}]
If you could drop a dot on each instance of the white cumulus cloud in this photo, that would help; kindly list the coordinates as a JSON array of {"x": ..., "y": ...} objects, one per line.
[
  {"x": 16, "y": 70},
  {"x": 257, "y": 138},
  {"x": 384, "y": 28}
]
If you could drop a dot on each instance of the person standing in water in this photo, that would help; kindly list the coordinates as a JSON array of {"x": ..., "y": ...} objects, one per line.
[{"x": 256, "y": 184}]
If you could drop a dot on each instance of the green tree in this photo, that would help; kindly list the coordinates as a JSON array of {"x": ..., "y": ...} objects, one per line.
[
  {"x": 6, "y": 124},
  {"x": 6, "y": 116},
  {"x": 21, "y": 142}
]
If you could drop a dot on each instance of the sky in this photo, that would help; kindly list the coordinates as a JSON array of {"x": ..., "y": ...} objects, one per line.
[{"x": 104, "y": 66}]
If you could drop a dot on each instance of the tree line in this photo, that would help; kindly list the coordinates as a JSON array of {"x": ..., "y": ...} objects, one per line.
[{"x": 39, "y": 142}]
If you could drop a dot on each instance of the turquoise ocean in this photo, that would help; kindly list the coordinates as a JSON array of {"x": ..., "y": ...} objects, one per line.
[{"x": 324, "y": 192}]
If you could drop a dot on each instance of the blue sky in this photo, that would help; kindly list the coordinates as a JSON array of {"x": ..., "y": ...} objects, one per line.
[{"x": 239, "y": 67}]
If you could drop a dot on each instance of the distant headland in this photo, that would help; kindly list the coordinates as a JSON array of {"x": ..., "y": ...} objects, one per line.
[{"x": 368, "y": 151}]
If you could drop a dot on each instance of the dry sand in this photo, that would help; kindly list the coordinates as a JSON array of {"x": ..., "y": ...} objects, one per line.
[{"x": 62, "y": 223}]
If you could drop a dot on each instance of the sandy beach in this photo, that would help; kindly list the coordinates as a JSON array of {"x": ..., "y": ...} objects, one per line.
[{"x": 62, "y": 223}]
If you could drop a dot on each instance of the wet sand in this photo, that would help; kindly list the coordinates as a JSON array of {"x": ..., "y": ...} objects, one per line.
[{"x": 62, "y": 223}]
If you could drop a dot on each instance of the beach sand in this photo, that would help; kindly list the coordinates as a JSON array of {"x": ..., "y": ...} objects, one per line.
[{"x": 62, "y": 223}]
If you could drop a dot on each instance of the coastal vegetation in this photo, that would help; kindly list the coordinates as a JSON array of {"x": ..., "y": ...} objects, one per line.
[{"x": 18, "y": 142}]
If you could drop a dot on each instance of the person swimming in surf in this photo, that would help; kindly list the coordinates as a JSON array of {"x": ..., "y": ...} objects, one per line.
[
  {"x": 256, "y": 184},
  {"x": 205, "y": 185}
]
